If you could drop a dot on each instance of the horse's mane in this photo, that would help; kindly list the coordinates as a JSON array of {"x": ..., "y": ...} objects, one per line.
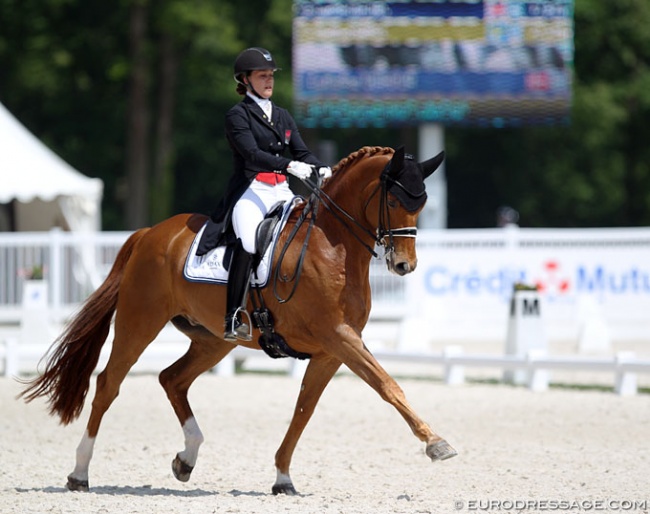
[{"x": 366, "y": 151}]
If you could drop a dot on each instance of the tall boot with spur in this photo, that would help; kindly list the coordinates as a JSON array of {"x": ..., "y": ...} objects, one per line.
[{"x": 238, "y": 281}]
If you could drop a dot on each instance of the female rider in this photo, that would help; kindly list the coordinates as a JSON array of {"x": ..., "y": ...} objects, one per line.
[{"x": 259, "y": 133}]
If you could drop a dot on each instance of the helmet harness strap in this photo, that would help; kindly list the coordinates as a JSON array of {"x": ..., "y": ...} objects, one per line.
[{"x": 250, "y": 87}]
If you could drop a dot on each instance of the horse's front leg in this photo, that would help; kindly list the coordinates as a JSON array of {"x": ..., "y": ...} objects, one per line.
[
  {"x": 353, "y": 353},
  {"x": 320, "y": 371}
]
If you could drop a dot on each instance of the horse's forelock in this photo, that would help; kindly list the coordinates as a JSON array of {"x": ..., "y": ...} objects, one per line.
[{"x": 354, "y": 157}]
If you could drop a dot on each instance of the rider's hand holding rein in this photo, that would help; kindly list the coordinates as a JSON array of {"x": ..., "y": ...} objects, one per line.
[
  {"x": 325, "y": 172},
  {"x": 299, "y": 169}
]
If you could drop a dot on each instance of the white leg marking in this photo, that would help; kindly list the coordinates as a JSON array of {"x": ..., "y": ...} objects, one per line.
[
  {"x": 193, "y": 439},
  {"x": 282, "y": 478},
  {"x": 84, "y": 454}
]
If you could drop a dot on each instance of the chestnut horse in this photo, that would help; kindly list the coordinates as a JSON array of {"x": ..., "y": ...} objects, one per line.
[{"x": 373, "y": 198}]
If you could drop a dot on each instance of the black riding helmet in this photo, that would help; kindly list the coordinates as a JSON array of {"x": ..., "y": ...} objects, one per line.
[{"x": 253, "y": 59}]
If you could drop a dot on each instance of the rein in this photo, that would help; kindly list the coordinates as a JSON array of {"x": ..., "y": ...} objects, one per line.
[
  {"x": 383, "y": 226},
  {"x": 318, "y": 197},
  {"x": 295, "y": 277},
  {"x": 341, "y": 214}
]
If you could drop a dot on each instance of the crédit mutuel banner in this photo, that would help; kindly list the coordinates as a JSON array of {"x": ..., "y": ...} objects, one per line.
[{"x": 470, "y": 285}]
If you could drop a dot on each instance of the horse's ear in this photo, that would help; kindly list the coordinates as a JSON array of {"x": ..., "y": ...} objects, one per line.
[
  {"x": 428, "y": 167},
  {"x": 397, "y": 161}
]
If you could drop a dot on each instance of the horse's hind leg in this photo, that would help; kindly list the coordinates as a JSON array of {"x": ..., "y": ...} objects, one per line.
[
  {"x": 204, "y": 352},
  {"x": 320, "y": 371},
  {"x": 131, "y": 339}
]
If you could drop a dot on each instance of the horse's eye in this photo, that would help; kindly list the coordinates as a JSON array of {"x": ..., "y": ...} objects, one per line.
[{"x": 392, "y": 203}]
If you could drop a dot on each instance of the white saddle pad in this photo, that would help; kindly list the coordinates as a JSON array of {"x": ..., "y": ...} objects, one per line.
[{"x": 209, "y": 267}]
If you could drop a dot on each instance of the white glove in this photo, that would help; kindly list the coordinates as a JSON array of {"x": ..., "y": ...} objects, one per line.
[
  {"x": 299, "y": 169},
  {"x": 325, "y": 172}
]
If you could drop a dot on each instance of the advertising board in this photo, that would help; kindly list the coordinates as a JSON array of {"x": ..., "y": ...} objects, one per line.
[{"x": 465, "y": 289}]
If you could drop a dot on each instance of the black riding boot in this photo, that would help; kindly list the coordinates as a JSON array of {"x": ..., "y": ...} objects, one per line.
[{"x": 238, "y": 280}]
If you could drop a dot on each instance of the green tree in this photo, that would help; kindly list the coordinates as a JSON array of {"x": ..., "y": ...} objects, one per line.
[
  {"x": 135, "y": 93},
  {"x": 63, "y": 72}
]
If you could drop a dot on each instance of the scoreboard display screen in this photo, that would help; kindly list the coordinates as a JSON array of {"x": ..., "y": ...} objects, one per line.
[{"x": 492, "y": 63}]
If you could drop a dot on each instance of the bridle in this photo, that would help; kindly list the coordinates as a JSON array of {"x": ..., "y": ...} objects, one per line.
[
  {"x": 384, "y": 229},
  {"x": 384, "y": 236}
]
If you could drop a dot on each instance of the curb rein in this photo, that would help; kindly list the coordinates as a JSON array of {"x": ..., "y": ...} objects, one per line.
[{"x": 382, "y": 232}]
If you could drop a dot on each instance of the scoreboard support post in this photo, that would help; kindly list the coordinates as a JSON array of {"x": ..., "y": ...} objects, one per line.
[{"x": 431, "y": 141}]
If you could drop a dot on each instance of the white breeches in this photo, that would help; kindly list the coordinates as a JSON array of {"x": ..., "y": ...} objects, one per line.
[{"x": 253, "y": 205}]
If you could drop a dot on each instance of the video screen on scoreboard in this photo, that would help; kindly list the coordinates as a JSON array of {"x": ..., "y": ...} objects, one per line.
[{"x": 492, "y": 63}]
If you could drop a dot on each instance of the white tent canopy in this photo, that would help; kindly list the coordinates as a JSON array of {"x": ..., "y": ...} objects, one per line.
[{"x": 49, "y": 192}]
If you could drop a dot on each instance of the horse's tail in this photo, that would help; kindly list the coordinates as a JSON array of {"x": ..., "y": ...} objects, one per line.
[{"x": 75, "y": 353}]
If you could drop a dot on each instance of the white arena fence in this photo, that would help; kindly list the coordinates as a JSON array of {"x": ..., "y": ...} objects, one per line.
[
  {"x": 594, "y": 283},
  {"x": 74, "y": 265}
]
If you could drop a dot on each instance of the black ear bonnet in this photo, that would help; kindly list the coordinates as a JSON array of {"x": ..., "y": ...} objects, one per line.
[{"x": 405, "y": 182}]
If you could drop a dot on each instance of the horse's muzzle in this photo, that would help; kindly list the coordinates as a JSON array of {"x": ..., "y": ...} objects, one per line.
[{"x": 400, "y": 267}]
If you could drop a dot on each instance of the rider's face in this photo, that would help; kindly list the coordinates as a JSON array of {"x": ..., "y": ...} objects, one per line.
[{"x": 262, "y": 82}]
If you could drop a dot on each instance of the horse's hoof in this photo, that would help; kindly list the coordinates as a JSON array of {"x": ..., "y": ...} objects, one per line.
[
  {"x": 287, "y": 489},
  {"x": 181, "y": 470},
  {"x": 74, "y": 484},
  {"x": 441, "y": 450}
]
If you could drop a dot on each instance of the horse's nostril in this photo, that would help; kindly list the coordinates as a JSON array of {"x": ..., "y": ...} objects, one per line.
[{"x": 403, "y": 268}]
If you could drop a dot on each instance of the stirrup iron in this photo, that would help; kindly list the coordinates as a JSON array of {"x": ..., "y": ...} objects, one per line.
[{"x": 239, "y": 330}]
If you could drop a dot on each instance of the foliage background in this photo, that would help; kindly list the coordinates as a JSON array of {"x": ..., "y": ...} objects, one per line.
[{"x": 135, "y": 92}]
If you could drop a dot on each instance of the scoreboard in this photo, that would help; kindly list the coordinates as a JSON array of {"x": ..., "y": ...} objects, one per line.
[{"x": 492, "y": 63}]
